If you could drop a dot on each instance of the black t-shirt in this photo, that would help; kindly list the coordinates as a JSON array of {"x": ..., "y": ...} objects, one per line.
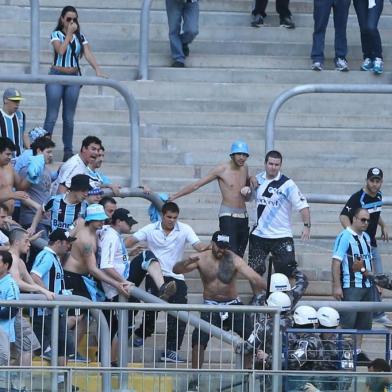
[{"x": 374, "y": 206}]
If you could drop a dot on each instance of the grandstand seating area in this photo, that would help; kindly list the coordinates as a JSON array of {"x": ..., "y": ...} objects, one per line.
[{"x": 189, "y": 117}]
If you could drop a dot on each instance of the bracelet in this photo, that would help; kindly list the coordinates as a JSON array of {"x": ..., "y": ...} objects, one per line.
[{"x": 307, "y": 225}]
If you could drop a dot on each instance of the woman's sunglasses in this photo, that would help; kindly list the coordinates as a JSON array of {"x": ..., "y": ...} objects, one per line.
[{"x": 69, "y": 19}]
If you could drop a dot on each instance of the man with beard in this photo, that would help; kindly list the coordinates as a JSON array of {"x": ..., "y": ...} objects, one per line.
[
  {"x": 233, "y": 178},
  {"x": 219, "y": 268}
]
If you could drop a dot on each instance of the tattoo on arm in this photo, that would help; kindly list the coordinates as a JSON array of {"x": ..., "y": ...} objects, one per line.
[{"x": 87, "y": 250}]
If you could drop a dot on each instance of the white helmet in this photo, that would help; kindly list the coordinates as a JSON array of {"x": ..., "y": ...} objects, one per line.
[
  {"x": 304, "y": 315},
  {"x": 279, "y": 300},
  {"x": 328, "y": 317},
  {"x": 279, "y": 282}
]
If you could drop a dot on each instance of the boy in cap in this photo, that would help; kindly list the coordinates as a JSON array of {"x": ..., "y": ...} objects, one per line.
[
  {"x": 13, "y": 121},
  {"x": 81, "y": 272},
  {"x": 65, "y": 209},
  {"x": 370, "y": 198}
]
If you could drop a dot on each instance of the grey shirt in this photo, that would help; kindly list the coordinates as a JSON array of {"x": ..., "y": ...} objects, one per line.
[{"x": 38, "y": 192}]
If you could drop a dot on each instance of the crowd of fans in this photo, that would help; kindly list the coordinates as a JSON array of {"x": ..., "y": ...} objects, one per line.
[{"x": 91, "y": 252}]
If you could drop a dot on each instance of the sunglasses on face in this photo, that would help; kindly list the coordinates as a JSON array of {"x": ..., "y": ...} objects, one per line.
[
  {"x": 69, "y": 19},
  {"x": 364, "y": 220}
]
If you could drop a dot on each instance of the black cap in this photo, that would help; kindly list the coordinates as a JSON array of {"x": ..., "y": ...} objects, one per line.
[
  {"x": 221, "y": 239},
  {"x": 375, "y": 172},
  {"x": 60, "y": 235},
  {"x": 123, "y": 214},
  {"x": 80, "y": 182}
]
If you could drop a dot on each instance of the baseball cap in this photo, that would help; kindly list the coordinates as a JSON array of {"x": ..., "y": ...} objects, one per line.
[
  {"x": 61, "y": 235},
  {"x": 375, "y": 172},
  {"x": 12, "y": 94},
  {"x": 95, "y": 212},
  {"x": 80, "y": 182},
  {"x": 222, "y": 240},
  {"x": 95, "y": 191},
  {"x": 124, "y": 215}
]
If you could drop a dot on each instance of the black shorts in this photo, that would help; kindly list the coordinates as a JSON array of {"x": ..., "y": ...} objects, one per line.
[
  {"x": 282, "y": 253},
  {"x": 75, "y": 283},
  {"x": 240, "y": 323}
]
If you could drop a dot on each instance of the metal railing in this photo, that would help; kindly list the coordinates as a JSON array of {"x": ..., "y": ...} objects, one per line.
[
  {"x": 236, "y": 360},
  {"x": 134, "y": 130},
  {"x": 313, "y": 89},
  {"x": 144, "y": 40}
]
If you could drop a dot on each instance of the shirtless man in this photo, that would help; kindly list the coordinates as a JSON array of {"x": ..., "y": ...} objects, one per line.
[
  {"x": 9, "y": 179},
  {"x": 219, "y": 269},
  {"x": 26, "y": 341},
  {"x": 232, "y": 176},
  {"x": 81, "y": 265}
]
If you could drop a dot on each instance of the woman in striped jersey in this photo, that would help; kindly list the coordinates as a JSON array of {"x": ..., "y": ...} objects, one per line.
[{"x": 69, "y": 46}]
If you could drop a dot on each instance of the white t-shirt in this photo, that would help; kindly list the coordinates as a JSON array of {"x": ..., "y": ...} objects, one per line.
[
  {"x": 68, "y": 169},
  {"x": 3, "y": 239},
  {"x": 112, "y": 253},
  {"x": 169, "y": 249},
  {"x": 275, "y": 199}
]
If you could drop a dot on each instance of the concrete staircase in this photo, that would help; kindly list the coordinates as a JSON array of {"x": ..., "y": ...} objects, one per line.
[{"x": 189, "y": 117}]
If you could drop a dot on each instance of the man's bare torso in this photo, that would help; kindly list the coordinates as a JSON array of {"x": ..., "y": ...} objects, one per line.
[
  {"x": 231, "y": 181},
  {"x": 7, "y": 181},
  {"x": 214, "y": 288},
  {"x": 82, "y": 249}
]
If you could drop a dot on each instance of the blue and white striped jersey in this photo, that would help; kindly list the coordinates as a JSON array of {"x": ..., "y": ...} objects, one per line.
[{"x": 348, "y": 247}]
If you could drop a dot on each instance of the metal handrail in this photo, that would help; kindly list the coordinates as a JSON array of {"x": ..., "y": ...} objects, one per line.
[
  {"x": 312, "y": 89},
  {"x": 144, "y": 40},
  {"x": 73, "y": 301},
  {"x": 134, "y": 130}
]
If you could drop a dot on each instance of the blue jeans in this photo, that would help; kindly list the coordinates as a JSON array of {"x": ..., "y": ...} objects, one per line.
[
  {"x": 55, "y": 93},
  {"x": 188, "y": 13},
  {"x": 321, "y": 12},
  {"x": 368, "y": 21}
]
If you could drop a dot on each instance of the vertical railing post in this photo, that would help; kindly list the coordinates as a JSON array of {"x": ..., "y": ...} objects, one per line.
[
  {"x": 34, "y": 37},
  {"x": 144, "y": 40},
  {"x": 276, "y": 352},
  {"x": 123, "y": 343},
  {"x": 54, "y": 345}
]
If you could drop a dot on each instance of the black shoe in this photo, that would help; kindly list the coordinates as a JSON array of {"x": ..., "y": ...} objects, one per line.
[
  {"x": 193, "y": 386},
  {"x": 256, "y": 20},
  {"x": 67, "y": 155},
  {"x": 287, "y": 22},
  {"x": 185, "y": 49},
  {"x": 178, "y": 64},
  {"x": 167, "y": 290},
  {"x": 362, "y": 359}
]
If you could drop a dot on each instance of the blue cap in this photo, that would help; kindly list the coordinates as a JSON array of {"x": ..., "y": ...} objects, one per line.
[
  {"x": 95, "y": 212},
  {"x": 239, "y": 147},
  {"x": 95, "y": 192}
]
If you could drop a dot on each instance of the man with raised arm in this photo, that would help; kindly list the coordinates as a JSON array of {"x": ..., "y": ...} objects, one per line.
[
  {"x": 232, "y": 176},
  {"x": 219, "y": 269}
]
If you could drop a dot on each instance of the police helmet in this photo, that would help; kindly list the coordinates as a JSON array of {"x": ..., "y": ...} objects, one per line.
[
  {"x": 239, "y": 147},
  {"x": 280, "y": 300},
  {"x": 304, "y": 315},
  {"x": 328, "y": 317},
  {"x": 279, "y": 282}
]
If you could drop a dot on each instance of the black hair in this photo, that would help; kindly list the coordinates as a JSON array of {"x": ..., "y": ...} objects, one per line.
[
  {"x": 273, "y": 154},
  {"x": 107, "y": 199},
  {"x": 90, "y": 140},
  {"x": 379, "y": 365},
  {"x": 4, "y": 207},
  {"x": 358, "y": 210},
  {"x": 42, "y": 143},
  {"x": 170, "y": 206},
  {"x": 102, "y": 148},
  {"x": 59, "y": 27},
  {"x": 6, "y": 257},
  {"x": 5, "y": 143}
]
